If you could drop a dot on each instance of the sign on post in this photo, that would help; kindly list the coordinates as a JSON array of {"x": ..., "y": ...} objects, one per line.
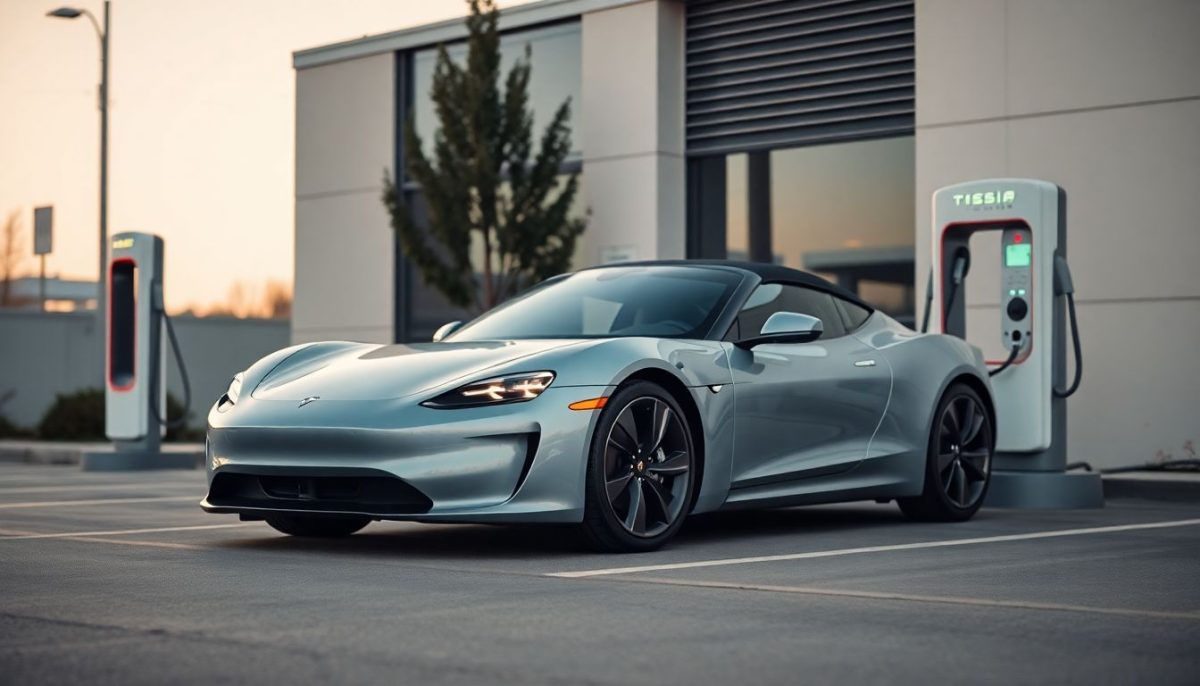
[
  {"x": 43, "y": 242},
  {"x": 43, "y": 230}
]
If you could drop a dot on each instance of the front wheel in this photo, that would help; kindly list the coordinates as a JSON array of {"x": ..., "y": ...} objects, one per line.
[
  {"x": 958, "y": 463},
  {"x": 639, "y": 472},
  {"x": 317, "y": 526}
]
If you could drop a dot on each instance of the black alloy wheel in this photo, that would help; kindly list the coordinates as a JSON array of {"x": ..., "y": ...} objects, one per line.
[
  {"x": 641, "y": 470},
  {"x": 959, "y": 460},
  {"x": 964, "y": 451}
]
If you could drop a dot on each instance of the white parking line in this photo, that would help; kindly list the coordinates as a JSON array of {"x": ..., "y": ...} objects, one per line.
[
  {"x": 125, "y": 532},
  {"x": 100, "y": 501},
  {"x": 148, "y": 544},
  {"x": 874, "y": 549},
  {"x": 909, "y": 597}
]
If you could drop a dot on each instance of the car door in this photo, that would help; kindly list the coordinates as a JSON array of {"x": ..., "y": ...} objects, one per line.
[{"x": 802, "y": 409}]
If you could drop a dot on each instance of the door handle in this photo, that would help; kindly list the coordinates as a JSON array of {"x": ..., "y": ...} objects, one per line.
[{"x": 865, "y": 363}]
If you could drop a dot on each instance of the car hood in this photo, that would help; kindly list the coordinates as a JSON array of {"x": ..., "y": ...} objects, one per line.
[{"x": 347, "y": 371}]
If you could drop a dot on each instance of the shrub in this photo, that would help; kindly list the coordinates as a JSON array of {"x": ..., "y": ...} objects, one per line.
[{"x": 79, "y": 416}]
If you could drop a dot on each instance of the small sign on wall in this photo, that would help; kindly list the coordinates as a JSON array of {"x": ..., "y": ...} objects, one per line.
[
  {"x": 43, "y": 230},
  {"x": 618, "y": 253}
]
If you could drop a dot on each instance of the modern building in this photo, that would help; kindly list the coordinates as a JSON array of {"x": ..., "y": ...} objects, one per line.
[{"x": 812, "y": 133}]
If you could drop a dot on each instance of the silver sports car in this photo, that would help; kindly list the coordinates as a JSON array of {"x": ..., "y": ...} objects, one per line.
[{"x": 618, "y": 398}]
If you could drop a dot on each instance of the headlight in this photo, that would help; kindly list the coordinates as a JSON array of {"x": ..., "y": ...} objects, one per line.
[
  {"x": 234, "y": 390},
  {"x": 514, "y": 388}
]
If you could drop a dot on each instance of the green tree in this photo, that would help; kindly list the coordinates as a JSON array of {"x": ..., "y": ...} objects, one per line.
[{"x": 523, "y": 228}]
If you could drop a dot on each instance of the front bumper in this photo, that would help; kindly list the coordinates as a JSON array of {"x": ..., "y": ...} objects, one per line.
[{"x": 393, "y": 459}]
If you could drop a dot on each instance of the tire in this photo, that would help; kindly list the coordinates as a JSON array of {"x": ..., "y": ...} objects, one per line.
[
  {"x": 958, "y": 460},
  {"x": 641, "y": 459},
  {"x": 317, "y": 526}
]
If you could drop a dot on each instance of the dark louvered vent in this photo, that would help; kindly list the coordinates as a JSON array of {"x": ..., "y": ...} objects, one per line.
[{"x": 781, "y": 73}]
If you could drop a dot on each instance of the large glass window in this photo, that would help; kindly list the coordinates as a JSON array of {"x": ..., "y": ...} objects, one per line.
[
  {"x": 844, "y": 211},
  {"x": 555, "y": 73}
]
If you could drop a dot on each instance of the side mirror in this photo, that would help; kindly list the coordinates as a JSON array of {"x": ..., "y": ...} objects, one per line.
[
  {"x": 446, "y": 329},
  {"x": 786, "y": 327}
]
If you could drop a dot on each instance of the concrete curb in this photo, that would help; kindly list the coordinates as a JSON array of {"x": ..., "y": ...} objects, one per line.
[
  {"x": 1164, "y": 486},
  {"x": 73, "y": 454}
]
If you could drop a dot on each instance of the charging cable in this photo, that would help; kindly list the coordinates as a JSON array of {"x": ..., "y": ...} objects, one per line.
[
  {"x": 183, "y": 375},
  {"x": 928, "y": 302},
  {"x": 1012, "y": 357},
  {"x": 962, "y": 266},
  {"x": 1063, "y": 285}
]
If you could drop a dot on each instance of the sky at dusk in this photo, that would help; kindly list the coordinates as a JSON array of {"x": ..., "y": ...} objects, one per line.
[{"x": 201, "y": 127}]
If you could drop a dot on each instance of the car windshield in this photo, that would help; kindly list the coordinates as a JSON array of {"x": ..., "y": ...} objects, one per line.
[{"x": 668, "y": 302}]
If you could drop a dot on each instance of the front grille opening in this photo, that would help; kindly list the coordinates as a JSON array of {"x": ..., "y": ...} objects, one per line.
[
  {"x": 280, "y": 486},
  {"x": 379, "y": 495}
]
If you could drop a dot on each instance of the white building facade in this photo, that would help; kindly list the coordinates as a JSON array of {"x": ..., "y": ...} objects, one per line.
[{"x": 812, "y": 133}]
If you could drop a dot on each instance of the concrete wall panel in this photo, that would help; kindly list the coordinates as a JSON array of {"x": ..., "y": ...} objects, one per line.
[
  {"x": 345, "y": 116},
  {"x": 344, "y": 269},
  {"x": 632, "y": 120},
  {"x": 1071, "y": 54},
  {"x": 50, "y": 353},
  {"x": 1131, "y": 176},
  {"x": 960, "y": 45}
]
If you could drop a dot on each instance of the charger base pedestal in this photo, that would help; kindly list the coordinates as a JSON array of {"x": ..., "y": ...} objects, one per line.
[{"x": 1045, "y": 490}]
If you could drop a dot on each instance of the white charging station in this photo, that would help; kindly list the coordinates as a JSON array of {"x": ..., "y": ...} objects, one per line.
[
  {"x": 134, "y": 353},
  {"x": 135, "y": 363},
  {"x": 1028, "y": 217}
]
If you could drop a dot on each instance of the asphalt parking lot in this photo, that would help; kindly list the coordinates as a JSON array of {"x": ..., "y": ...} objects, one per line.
[{"x": 120, "y": 578}]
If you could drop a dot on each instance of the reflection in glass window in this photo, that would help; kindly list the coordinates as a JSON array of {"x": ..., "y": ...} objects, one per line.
[
  {"x": 554, "y": 76},
  {"x": 578, "y": 210},
  {"x": 844, "y": 211}
]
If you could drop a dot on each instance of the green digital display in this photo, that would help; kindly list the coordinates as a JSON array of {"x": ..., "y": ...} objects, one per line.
[{"x": 1017, "y": 255}]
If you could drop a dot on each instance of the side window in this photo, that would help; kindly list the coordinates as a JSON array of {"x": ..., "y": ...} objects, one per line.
[
  {"x": 770, "y": 298},
  {"x": 855, "y": 315}
]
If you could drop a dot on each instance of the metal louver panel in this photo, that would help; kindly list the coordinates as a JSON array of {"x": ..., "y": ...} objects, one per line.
[{"x": 782, "y": 73}]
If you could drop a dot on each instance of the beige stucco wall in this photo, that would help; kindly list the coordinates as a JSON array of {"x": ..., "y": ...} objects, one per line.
[
  {"x": 632, "y": 131},
  {"x": 1103, "y": 98},
  {"x": 344, "y": 250}
]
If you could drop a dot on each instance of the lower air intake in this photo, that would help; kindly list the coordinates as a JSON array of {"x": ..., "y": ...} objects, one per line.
[{"x": 365, "y": 494}]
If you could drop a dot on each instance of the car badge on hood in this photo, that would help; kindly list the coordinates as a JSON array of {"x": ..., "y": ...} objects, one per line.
[{"x": 309, "y": 399}]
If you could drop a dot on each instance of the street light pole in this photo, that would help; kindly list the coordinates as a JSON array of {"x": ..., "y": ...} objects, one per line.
[
  {"x": 100, "y": 295},
  {"x": 102, "y": 33}
]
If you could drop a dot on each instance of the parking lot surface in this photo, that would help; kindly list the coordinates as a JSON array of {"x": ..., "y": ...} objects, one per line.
[{"x": 120, "y": 578}]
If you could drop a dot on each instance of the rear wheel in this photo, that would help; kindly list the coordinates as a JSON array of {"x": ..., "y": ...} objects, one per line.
[
  {"x": 958, "y": 463},
  {"x": 317, "y": 526},
  {"x": 639, "y": 472}
]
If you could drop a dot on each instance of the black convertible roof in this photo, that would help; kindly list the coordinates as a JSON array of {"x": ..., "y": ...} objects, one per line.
[{"x": 769, "y": 273}]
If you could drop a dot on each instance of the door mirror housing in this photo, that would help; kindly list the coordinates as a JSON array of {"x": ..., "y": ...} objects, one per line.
[
  {"x": 786, "y": 327},
  {"x": 446, "y": 329}
]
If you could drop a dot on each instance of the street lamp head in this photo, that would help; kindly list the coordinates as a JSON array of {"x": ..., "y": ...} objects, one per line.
[{"x": 65, "y": 13}]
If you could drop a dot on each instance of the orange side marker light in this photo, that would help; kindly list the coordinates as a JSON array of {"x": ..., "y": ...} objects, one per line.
[{"x": 589, "y": 404}]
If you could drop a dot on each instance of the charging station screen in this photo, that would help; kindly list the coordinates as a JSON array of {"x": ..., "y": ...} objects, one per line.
[
  {"x": 122, "y": 325},
  {"x": 1017, "y": 255}
]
